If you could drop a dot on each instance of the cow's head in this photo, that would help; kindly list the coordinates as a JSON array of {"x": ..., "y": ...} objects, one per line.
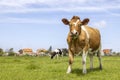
[{"x": 75, "y": 25}]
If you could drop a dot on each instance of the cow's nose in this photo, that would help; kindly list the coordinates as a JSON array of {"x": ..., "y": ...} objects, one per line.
[{"x": 74, "y": 32}]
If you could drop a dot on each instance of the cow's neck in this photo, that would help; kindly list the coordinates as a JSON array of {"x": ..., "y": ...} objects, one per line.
[{"x": 86, "y": 32}]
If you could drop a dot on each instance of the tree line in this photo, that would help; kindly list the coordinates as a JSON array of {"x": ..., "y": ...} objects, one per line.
[{"x": 9, "y": 52}]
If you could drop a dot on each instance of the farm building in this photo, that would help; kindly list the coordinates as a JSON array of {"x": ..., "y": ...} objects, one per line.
[
  {"x": 41, "y": 52},
  {"x": 107, "y": 52},
  {"x": 25, "y": 51}
]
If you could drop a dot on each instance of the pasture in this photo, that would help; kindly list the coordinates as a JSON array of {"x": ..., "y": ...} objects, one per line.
[{"x": 43, "y": 68}]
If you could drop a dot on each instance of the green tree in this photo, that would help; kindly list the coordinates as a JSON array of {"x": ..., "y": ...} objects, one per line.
[
  {"x": 50, "y": 49},
  {"x": 20, "y": 51},
  {"x": 1, "y": 52},
  {"x": 11, "y": 52}
]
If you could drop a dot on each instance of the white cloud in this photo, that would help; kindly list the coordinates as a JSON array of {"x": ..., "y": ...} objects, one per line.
[
  {"x": 15, "y": 3},
  {"x": 100, "y": 24},
  {"x": 27, "y": 20},
  {"x": 67, "y": 9},
  {"x": 113, "y": 12},
  {"x": 27, "y": 6},
  {"x": 23, "y": 6}
]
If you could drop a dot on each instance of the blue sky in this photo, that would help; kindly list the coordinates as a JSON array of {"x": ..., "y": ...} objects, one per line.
[{"x": 37, "y": 23}]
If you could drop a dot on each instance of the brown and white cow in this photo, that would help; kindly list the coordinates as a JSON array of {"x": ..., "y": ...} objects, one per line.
[{"x": 82, "y": 38}]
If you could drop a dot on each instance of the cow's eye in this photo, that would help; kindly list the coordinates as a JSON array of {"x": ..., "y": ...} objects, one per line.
[
  {"x": 79, "y": 25},
  {"x": 70, "y": 24}
]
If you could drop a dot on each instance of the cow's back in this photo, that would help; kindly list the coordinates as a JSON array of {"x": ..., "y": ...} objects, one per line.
[{"x": 94, "y": 37}]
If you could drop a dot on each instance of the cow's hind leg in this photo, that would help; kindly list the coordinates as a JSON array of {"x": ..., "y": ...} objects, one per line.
[
  {"x": 91, "y": 61},
  {"x": 71, "y": 57},
  {"x": 91, "y": 58},
  {"x": 99, "y": 58}
]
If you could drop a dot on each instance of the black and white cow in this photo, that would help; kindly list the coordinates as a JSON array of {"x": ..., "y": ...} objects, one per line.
[{"x": 56, "y": 53}]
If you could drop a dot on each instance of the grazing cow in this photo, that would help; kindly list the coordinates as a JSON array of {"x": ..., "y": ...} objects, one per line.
[
  {"x": 82, "y": 38},
  {"x": 56, "y": 53}
]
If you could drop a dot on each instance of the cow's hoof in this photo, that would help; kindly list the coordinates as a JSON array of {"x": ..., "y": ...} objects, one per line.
[
  {"x": 84, "y": 71},
  {"x": 68, "y": 72}
]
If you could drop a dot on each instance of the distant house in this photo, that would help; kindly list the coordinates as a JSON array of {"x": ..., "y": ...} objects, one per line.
[
  {"x": 107, "y": 52},
  {"x": 25, "y": 51},
  {"x": 41, "y": 52}
]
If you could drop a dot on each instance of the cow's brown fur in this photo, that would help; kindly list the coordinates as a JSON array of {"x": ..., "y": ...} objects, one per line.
[{"x": 79, "y": 41}]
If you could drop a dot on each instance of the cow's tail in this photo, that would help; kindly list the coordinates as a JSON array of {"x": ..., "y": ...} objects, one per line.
[
  {"x": 99, "y": 50},
  {"x": 99, "y": 57}
]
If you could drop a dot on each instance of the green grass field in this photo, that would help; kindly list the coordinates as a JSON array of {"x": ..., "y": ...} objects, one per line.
[{"x": 43, "y": 68}]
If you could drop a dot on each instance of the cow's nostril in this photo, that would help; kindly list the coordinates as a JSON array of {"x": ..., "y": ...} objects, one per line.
[{"x": 75, "y": 33}]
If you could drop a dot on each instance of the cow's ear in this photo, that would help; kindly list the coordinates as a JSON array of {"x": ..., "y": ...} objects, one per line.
[
  {"x": 65, "y": 21},
  {"x": 85, "y": 21}
]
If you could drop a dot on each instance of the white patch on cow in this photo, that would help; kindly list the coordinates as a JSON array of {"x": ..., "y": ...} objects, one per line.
[
  {"x": 84, "y": 55},
  {"x": 75, "y": 23},
  {"x": 90, "y": 51},
  {"x": 74, "y": 31},
  {"x": 56, "y": 50},
  {"x": 69, "y": 69},
  {"x": 83, "y": 28}
]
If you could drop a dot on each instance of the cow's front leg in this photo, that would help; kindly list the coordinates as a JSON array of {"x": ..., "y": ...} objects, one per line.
[
  {"x": 84, "y": 55},
  {"x": 71, "y": 57}
]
